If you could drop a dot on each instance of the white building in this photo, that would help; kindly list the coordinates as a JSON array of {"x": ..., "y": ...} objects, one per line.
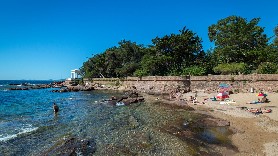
[{"x": 74, "y": 74}]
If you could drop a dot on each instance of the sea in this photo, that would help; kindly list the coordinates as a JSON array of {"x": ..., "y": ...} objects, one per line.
[{"x": 28, "y": 125}]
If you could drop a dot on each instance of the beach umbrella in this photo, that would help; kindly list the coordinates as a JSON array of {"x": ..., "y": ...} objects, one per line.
[
  {"x": 222, "y": 95},
  {"x": 262, "y": 94},
  {"x": 224, "y": 87}
]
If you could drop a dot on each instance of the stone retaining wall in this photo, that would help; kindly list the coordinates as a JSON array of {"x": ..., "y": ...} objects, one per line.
[
  {"x": 210, "y": 83},
  {"x": 239, "y": 83},
  {"x": 151, "y": 84}
]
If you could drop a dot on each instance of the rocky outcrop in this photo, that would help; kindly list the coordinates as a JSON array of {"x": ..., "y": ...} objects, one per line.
[
  {"x": 74, "y": 89},
  {"x": 132, "y": 97},
  {"x": 72, "y": 147},
  {"x": 19, "y": 88},
  {"x": 28, "y": 86}
]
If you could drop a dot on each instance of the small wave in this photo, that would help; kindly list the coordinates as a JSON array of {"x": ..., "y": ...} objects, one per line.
[
  {"x": 120, "y": 104},
  {"x": 23, "y": 131}
]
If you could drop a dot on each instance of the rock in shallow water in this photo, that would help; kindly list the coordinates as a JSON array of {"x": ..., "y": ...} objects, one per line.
[{"x": 72, "y": 147}]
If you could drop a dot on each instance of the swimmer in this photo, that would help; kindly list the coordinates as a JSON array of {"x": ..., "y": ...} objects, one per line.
[{"x": 55, "y": 108}]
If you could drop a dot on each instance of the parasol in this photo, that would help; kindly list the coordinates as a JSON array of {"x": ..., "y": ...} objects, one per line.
[{"x": 262, "y": 94}]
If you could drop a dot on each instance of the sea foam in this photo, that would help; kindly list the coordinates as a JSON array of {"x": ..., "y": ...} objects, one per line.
[{"x": 23, "y": 131}]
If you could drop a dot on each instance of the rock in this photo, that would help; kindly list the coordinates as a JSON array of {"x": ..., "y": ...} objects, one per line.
[
  {"x": 140, "y": 99},
  {"x": 133, "y": 95},
  {"x": 122, "y": 98},
  {"x": 63, "y": 90},
  {"x": 213, "y": 122},
  {"x": 130, "y": 101},
  {"x": 87, "y": 88},
  {"x": 112, "y": 102},
  {"x": 113, "y": 98},
  {"x": 72, "y": 147}
]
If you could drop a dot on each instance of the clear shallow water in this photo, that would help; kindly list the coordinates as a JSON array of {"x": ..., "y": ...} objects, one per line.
[
  {"x": 27, "y": 118},
  {"x": 28, "y": 125}
]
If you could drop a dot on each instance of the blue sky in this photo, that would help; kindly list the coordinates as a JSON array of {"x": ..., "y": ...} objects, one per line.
[{"x": 45, "y": 39}]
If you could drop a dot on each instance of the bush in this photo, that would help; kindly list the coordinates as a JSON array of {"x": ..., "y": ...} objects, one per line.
[
  {"x": 267, "y": 68},
  {"x": 140, "y": 73},
  {"x": 232, "y": 68},
  {"x": 194, "y": 71}
]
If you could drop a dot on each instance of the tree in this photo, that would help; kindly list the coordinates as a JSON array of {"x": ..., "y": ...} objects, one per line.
[
  {"x": 183, "y": 49},
  {"x": 153, "y": 63},
  {"x": 276, "y": 36},
  {"x": 118, "y": 61},
  {"x": 94, "y": 67},
  {"x": 237, "y": 40},
  {"x": 130, "y": 56},
  {"x": 112, "y": 61}
]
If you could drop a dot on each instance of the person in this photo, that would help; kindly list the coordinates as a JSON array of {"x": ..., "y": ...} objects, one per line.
[
  {"x": 264, "y": 99},
  {"x": 191, "y": 98},
  {"x": 55, "y": 108},
  {"x": 195, "y": 100}
]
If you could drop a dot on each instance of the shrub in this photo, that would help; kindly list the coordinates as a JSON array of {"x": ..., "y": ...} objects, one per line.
[
  {"x": 231, "y": 68},
  {"x": 194, "y": 70},
  {"x": 267, "y": 68}
]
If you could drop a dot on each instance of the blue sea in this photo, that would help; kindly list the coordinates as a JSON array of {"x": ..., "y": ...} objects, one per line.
[{"x": 28, "y": 125}]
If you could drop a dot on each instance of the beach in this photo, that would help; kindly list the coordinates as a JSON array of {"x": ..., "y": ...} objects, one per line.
[{"x": 255, "y": 134}]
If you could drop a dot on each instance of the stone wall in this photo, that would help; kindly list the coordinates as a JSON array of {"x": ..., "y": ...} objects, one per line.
[
  {"x": 209, "y": 83},
  {"x": 239, "y": 83},
  {"x": 151, "y": 84}
]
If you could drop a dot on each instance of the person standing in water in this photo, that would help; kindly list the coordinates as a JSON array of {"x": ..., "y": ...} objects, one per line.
[{"x": 55, "y": 108}]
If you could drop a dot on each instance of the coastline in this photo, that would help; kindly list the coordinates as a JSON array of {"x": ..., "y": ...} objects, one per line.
[{"x": 253, "y": 134}]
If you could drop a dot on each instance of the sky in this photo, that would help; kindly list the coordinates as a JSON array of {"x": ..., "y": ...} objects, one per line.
[{"x": 45, "y": 39}]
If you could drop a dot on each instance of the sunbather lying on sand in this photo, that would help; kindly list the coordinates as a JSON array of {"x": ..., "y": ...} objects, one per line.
[
  {"x": 266, "y": 110},
  {"x": 258, "y": 111},
  {"x": 254, "y": 102},
  {"x": 255, "y": 111}
]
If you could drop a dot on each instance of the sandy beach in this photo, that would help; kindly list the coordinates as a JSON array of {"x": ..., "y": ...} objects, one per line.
[{"x": 255, "y": 134}]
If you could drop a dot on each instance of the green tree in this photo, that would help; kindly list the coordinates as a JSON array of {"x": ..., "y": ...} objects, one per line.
[
  {"x": 237, "y": 40},
  {"x": 276, "y": 36},
  {"x": 183, "y": 49},
  {"x": 112, "y": 61},
  {"x": 118, "y": 61},
  {"x": 94, "y": 67},
  {"x": 130, "y": 57}
]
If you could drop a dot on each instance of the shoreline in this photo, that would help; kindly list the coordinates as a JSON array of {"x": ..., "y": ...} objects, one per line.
[{"x": 254, "y": 134}]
